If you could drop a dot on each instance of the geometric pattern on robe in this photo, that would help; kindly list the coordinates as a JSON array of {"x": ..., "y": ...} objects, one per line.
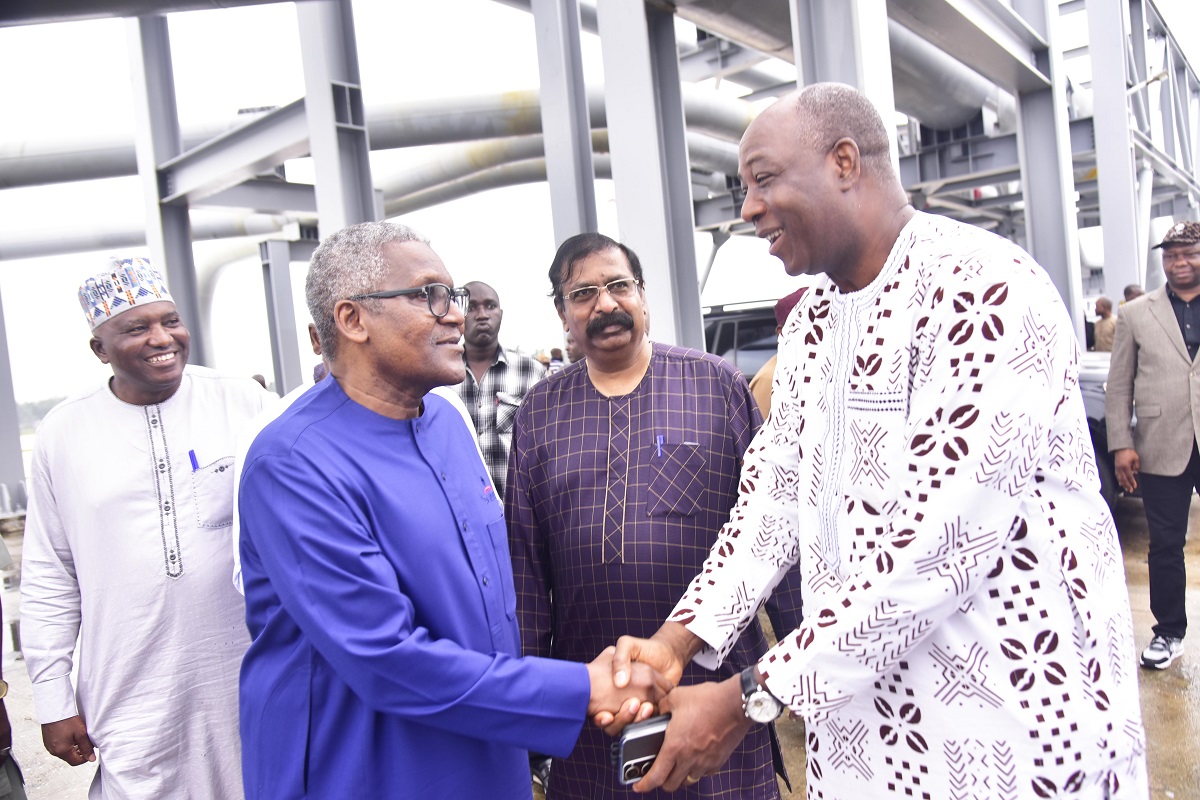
[{"x": 927, "y": 464}]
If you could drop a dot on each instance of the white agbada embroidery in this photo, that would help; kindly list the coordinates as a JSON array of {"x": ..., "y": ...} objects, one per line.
[
  {"x": 967, "y": 630},
  {"x": 127, "y": 547}
]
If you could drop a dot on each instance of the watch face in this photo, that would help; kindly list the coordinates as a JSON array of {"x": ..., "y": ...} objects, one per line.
[
  {"x": 3, "y": 689},
  {"x": 762, "y": 707}
]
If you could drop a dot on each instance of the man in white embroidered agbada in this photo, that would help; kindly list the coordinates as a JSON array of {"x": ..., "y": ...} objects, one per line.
[
  {"x": 127, "y": 550},
  {"x": 967, "y": 629}
]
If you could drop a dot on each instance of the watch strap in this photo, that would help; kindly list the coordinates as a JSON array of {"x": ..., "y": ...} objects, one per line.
[{"x": 749, "y": 685}]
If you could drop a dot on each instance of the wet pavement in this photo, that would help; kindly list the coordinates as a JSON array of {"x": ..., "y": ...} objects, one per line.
[{"x": 1170, "y": 698}]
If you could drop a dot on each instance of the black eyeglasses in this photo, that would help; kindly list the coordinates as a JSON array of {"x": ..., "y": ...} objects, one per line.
[{"x": 438, "y": 295}]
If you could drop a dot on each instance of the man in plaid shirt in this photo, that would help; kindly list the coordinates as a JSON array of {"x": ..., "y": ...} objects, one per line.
[{"x": 496, "y": 382}]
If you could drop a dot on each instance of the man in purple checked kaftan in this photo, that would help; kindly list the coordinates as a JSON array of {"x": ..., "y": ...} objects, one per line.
[{"x": 623, "y": 468}]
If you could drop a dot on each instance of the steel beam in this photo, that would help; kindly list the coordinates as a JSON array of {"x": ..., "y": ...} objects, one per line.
[
  {"x": 565, "y": 121},
  {"x": 986, "y": 35},
  {"x": 981, "y": 161},
  {"x": 715, "y": 57},
  {"x": 336, "y": 120},
  {"x": 1164, "y": 166},
  {"x": 237, "y": 155},
  {"x": 267, "y": 196},
  {"x": 650, "y": 162},
  {"x": 157, "y": 141},
  {"x": 717, "y": 213},
  {"x": 39, "y": 12}
]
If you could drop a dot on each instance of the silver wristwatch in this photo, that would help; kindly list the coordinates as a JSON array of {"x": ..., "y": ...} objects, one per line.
[{"x": 758, "y": 704}]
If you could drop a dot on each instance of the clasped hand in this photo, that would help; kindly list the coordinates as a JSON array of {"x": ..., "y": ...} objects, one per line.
[
  {"x": 707, "y": 720},
  {"x": 634, "y": 700}
]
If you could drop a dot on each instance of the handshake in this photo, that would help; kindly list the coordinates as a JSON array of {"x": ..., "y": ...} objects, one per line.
[{"x": 640, "y": 677}]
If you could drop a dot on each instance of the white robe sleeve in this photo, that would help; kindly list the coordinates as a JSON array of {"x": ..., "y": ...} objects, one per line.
[{"x": 50, "y": 599}]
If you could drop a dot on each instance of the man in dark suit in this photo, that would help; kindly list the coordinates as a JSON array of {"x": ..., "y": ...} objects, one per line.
[{"x": 1154, "y": 368}]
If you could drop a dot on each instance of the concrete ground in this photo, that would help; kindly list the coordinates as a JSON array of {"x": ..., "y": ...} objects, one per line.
[{"x": 1170, "y": 698}]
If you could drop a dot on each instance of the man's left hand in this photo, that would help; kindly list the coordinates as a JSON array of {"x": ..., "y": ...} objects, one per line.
[{"x": 707, "y": 723}]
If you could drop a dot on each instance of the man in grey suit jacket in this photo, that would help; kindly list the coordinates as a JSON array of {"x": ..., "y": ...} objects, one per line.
[{"x": 1154, "y": 371}]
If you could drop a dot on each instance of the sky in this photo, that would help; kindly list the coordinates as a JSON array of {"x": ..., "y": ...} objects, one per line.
[{"x": 71, "y": 79}]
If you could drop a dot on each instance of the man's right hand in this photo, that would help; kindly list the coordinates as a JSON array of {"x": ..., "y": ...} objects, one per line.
[
  {"x": 68, "y": 739},
  {"x": 1127, "y": 465},
  {"x": 612, "y": 707},
  {"x": 667, "y": 651}
]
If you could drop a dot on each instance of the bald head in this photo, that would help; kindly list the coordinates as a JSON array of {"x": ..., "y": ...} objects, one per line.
[
  {"x": 822, "y": 114},
  {"x": 820, "y": 185}
]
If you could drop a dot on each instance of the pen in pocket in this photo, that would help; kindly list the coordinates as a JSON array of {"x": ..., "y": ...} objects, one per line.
[
  {"x": 195, "y": 463},
  {"x": 658, "y": 440}
]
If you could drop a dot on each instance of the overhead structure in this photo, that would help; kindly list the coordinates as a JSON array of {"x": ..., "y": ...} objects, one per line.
[
  {"x": 565, "y": 121},
  {"x": 650, "y": 162},
  {"x": 1147, "y": 124},
  {"x": 329, "y": 124},
  {"x": 998, "y": 134},
  {"x": 168, "y": 225},
  {"x": 39, "y": 12}
]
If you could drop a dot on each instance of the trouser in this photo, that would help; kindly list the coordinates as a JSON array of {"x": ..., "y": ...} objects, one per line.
[
  {"x": 1167, "y": 499},
  {"x": 12, "y": 784}
]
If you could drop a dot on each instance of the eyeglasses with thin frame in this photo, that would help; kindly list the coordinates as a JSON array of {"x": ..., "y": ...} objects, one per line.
[
  {"x": 437, "y": 295},
  {"x": 620, "y": 289}
]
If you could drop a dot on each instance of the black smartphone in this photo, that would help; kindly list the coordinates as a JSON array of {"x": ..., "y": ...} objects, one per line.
[{"x": 635, "y": 751}]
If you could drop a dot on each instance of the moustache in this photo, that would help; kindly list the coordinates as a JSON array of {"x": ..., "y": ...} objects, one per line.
[{"x": 617, "y": 317}]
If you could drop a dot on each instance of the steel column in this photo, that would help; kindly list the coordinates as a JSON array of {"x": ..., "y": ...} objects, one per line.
[
  {"x": 157, "y": 140},
  {"x": 333, "y": 104},
  {"x": 12, "y": 465},
  {"x": 1044, "y": 147},
  {"x": 650, "y": 162},
  {"x": 277, "y": 257},
  {"x": 565, "y": 120},
  {"x": 820, "y": 29},
  {"x": 1124, "y": 261}
]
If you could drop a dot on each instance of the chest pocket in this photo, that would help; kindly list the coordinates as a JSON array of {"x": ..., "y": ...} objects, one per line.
[
  {"x": 506, "y": 411},
  {"x": 212, "y": 485},
  {"x": 676, "y": 480},
  {"x": 498, "y": 531}
]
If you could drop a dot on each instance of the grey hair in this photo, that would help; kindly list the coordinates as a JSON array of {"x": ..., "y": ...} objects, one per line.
[
  {"x": 347, "y": 263},
  {"x": 829, "y": 112}
]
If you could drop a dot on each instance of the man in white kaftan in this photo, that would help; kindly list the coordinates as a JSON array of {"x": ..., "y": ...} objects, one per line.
[
  {"x": 927, "y": 460},
  {"x": 127, "y": 549}
]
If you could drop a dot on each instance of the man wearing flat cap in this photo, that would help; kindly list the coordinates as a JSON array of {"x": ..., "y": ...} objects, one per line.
[
  {"x": 1154, "y": 375},
  {"x": 127, "y": 550}
]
